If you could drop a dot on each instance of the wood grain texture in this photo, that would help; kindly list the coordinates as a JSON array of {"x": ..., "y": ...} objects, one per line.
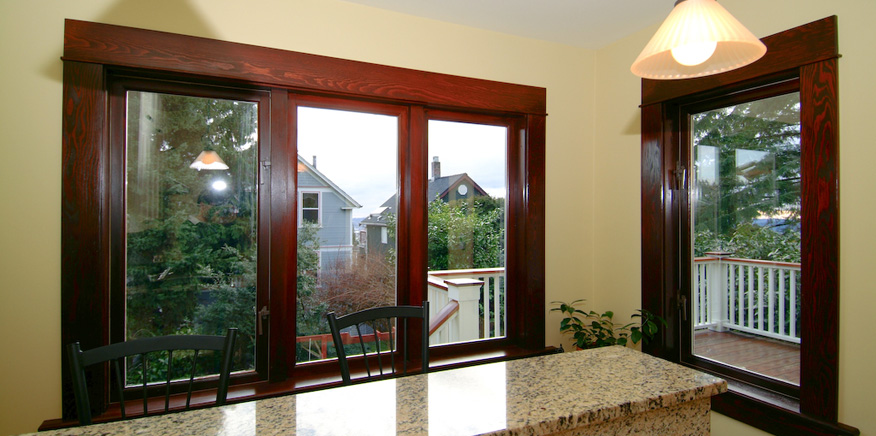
[
  {"x": 160, "y": 51},
  {"x": 653, "y": 238},
  {"x": 775, "y": 420},
  {"x": 819, "y": 138},
  {"x": 279, "y": 233},
  {"x": 532, "y": 309},
  {"x": 812, "y": 42},
  {"x": 84, "y": 222}
]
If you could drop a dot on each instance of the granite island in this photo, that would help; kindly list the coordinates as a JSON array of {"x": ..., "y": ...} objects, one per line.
[{"x": 608, "y": 391}]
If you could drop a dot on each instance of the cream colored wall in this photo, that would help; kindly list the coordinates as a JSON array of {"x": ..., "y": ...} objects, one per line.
[
  {"x": 31, "y": 40},
  {"x": 617, "y": 184}
]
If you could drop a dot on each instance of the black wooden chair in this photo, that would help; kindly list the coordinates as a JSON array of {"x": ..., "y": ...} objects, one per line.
[
  {"x": 377, "y": 324},
  {"x": 140, "y": 349}
]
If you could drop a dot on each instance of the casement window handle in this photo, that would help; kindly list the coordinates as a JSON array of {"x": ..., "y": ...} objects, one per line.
[
  {"x": 265, "y": 172},
  {"x": 263, "y": 313}
]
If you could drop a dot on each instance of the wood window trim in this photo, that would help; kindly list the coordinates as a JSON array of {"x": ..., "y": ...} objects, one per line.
[
  {"x": 810, "y": 53},
  {"x": 93, "y": 50}
]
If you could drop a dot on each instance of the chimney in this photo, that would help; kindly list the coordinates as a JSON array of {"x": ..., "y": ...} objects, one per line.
[
  {"x": 314, "y": 161},
  {"x": 436, "y": 168}
]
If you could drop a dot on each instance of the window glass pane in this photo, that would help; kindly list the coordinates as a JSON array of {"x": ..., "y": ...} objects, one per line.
[
  {"x": 745, "y": 197},
  {"x": 310, "y": 200},
  {"x": 344, "y": 265},
  {"x": 466, "y": 229},
  {"x": 191, "y": 220}
]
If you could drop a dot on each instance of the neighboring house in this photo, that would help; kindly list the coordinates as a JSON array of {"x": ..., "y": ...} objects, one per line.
[
  {"x": 323, "y": 203},
  {"x": 447, "y": 188}
]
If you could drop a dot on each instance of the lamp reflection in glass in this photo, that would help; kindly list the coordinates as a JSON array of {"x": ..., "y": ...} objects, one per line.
[
  {"x": 208, "y": 160},
  {"x": 698, "y": 38}
]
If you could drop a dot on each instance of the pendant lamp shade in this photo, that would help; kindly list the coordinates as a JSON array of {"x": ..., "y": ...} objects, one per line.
[
  {"x": 209, "y": 160},
  {"x": 698, "y": 38}
]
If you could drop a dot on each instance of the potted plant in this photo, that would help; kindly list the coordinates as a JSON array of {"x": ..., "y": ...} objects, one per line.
[{"x": 593, "y": 330}]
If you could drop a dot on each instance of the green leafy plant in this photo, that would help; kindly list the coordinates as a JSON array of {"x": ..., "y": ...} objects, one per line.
[{"x": 593, "y": 330}]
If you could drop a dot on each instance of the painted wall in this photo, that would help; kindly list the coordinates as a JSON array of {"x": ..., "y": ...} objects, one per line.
[
  {"x": 617, "y": 189},
  {"x": 31, "y": 42}
]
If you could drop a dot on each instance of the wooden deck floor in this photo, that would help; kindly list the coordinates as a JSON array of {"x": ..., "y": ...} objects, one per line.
[{"x": 769, "y": 357}]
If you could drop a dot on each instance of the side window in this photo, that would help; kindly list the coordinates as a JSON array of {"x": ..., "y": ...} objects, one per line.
[
  {"x": 744, "y": 217},
  {"x": 740, "y": 230}
]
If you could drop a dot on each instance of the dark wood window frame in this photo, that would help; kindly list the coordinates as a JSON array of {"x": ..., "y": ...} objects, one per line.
[
  {"x": 809, "y": 54},
  {"x": 96, "y": 53}
]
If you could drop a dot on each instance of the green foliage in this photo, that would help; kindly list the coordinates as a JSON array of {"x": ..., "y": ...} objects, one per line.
[
  {"x": 466, "y": 233},
  {"x": 749, "y": 241},
  {"x": 309, "y": 317},
  {"x": 191, "y": 250},
  {"x": 757, "y": 147},
  {"x": 594, "y": 330}
]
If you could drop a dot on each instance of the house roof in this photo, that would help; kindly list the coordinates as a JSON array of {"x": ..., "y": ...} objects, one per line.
[
  {"x": 325, "y": 180},
  {"x": 438, "y": 188}
]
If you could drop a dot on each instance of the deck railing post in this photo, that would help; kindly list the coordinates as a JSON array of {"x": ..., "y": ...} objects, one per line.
[
  {"x": 468, "y": 293},
  {"x": 717, "y": 291}
]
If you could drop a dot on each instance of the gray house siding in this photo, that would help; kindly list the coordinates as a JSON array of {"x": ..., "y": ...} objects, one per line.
[
  {"x": 336, "y": 222},
  {"x": 335, "y": 230}
]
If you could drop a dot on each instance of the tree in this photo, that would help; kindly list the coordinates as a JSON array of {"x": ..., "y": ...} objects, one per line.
[
  {"x": 191, "y": 247},
  {"x": 757, "y": 151},
  {"x": 467, "y": 233}
]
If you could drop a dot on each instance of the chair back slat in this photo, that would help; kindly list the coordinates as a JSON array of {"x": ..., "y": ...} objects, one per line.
[
  {"x": 145, "y": 360},
  {"x": 119, "y": 386},
  {"x": 373, "y": 317},
  {"x": 141, "y": 348}
]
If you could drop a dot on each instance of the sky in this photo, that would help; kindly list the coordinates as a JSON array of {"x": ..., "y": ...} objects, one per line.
[{"x": 358, "y": 152}]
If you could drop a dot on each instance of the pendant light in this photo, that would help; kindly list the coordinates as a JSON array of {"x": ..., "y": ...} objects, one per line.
[
  {"x": 208, "y": 160},
  {"x": 698, "y": 38}
]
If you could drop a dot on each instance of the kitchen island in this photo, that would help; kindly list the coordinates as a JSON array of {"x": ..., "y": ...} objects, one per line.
[{"x": 605, "y": 391}]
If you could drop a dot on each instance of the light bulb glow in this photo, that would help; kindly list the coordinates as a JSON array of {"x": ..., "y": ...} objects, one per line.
[
  {"x": 694, "y": 54},
  {"x": 219, "y": 185}
]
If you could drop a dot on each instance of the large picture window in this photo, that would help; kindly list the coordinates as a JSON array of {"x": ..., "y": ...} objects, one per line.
[{"x": 260, "y": 189}]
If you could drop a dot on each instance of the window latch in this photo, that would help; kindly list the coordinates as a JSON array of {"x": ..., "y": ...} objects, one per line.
[
  {"x": 680, "y": 174},
  {"x": 263, "y": 313},
  {"x": 682, "y": 307},
  {"x": 266, "y": 167}
]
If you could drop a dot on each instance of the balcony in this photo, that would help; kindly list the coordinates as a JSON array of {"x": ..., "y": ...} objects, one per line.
[
  {"x": 746, "y": 313},
  {"x": 465, "y": 305}
]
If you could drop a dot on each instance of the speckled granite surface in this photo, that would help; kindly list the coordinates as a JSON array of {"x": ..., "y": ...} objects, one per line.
[{"x": 604, "y": 391}]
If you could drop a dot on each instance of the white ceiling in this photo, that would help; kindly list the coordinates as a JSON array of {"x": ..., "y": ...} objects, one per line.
[{"x": 583, "y": 23}]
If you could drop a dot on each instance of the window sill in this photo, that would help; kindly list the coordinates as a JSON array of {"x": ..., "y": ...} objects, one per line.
[
  {"x": 772, "y": 413},
  {"x": 320, "y": 377}
]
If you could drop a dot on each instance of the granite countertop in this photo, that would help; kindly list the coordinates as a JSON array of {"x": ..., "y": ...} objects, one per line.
[{"x": 538, "y": 395}]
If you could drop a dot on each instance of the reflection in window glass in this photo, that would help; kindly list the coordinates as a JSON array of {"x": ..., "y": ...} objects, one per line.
[
  {"x": 191, "y": 221},
  {"x": 466, "y": 229},
  {"x": 745, "y": 197},
  {"x": 347, "y": 166}
]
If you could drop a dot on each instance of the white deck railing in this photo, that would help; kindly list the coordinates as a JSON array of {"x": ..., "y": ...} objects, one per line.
[
  {"x": 480, "y": 296},
  {"x": 751, "y": 296}
]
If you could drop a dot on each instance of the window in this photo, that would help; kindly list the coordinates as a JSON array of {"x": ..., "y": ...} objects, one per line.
[
  {"x": 310, "y": 208},
  {"x": 130, "y": 171},
  {"x": 723, "y": 158}
]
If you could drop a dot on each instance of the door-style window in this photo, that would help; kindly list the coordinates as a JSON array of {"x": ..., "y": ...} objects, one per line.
[
  {"x": 191, "y": 219},
  {"x": 745, "y": 203},
  {"x": 352, "y": 160},
  {"x": 205, "y": 195},
  {"x": 466, "y": 230}
]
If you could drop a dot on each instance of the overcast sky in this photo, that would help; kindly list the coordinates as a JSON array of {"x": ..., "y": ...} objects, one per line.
[{"x": 358, "y": 152}]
